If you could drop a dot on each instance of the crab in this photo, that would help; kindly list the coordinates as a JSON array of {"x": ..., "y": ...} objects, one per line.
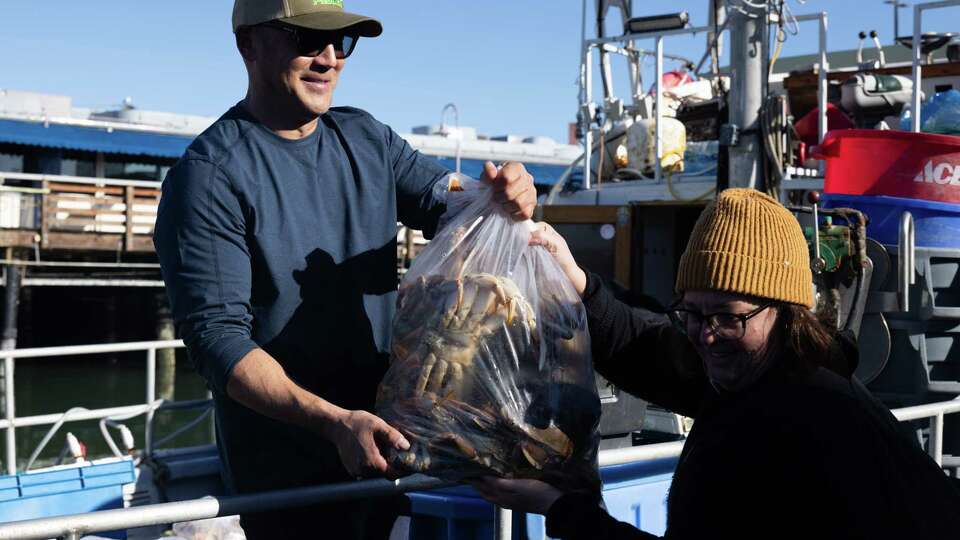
[
  {"x": 442, "y": 326},
  {"x": 462, "y": 440},
  {"x": 450, "y": 337}
]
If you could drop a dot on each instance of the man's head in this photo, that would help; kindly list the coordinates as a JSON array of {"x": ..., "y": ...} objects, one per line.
[{"x": 294, "y": 51}]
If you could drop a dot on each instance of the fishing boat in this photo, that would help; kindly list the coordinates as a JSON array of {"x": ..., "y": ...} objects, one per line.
[{"x": 626, "y": 198}]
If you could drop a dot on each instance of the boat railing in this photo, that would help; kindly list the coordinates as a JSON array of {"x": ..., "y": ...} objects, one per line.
[
  {"x": 73, "y": 526},
  {"x": 918, "y": 10},
  {"x": 586, "y": 81},
  {"x": 10, "y": 421}
]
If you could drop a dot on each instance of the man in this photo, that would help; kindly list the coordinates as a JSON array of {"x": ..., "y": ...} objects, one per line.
[{"x": 277, "y": 240}]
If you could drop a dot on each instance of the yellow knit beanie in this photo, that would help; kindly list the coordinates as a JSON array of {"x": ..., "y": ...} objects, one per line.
[{"x": 746, "y": 242}]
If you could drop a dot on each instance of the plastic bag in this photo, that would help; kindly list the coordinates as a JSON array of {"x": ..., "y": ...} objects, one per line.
[
  {"x": 490, "y": 368},
  {"x": 222, "y": 528},
  {"x": 946, "y": 118},
  {"x": 939, "y": 115}
]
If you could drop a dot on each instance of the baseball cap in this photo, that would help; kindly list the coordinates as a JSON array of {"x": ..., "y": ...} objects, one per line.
[{"x": 313, "y": 14}]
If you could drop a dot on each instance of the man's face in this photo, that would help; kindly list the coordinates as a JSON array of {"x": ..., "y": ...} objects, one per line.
[{"x": 295, "y": 85}]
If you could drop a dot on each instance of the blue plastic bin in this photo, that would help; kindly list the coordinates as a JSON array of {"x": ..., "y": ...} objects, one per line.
[
  {"x": 635, "y": 493},
  {"x": 70, "y": 489},
  {"x": 936, "y": 224}
]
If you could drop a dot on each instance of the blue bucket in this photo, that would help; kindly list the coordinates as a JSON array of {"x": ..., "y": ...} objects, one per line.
[{"x": 936, "y": 224}]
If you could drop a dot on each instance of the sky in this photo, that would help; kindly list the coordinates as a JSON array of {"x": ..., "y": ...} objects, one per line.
[{"x": 510, "y": 66}]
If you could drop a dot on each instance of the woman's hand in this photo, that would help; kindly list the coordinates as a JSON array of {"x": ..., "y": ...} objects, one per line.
[
  {"x": 531, "y": 496},
  {"x": 545, "y": 235}
]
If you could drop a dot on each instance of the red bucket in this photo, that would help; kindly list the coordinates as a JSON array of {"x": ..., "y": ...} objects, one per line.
[{"x": 891, "y": 163}]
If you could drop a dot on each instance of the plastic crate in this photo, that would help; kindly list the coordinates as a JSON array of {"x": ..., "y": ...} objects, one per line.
[
  {"x": 891, "y": 163},
  {"x": 936, "y": 224},
  {"x": 68, "y": 489},
  {"x": 635, "y": 493}
]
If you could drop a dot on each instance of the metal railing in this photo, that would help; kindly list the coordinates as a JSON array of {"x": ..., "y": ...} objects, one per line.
[
  {"x": 10, "y": 421},
  {"x": 586, "y": 81},
  {"x": 74, "y": 526},
  {"x": 918, "y": 10}
]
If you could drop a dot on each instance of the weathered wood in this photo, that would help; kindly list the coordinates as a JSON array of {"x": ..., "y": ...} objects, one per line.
[
  {"x": 580, "y": 214},
  {"x": 128, "y": 219},
  {"x": 45, "y": 217},
  {"x": 81, "y": 212},
  {"x": 85, "y": 188},
  {"x": 98, "y": 241},
  {"x": 17, "y": 238},
  {"x": 88, "y": 199}
]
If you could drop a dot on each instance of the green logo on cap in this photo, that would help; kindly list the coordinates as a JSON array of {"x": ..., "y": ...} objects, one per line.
[{"x": 338, "y": 3}]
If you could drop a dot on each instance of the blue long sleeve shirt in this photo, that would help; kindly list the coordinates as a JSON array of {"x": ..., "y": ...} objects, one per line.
[{"x": 290, "y": 246}]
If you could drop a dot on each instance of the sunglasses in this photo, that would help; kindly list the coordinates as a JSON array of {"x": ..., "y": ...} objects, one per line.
[{"x": 313, "y": 42}]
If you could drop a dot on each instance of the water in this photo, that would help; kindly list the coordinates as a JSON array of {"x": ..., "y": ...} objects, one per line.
[{"x": 54, "y": 385}]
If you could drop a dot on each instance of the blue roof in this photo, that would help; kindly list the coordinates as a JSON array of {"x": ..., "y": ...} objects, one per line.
[
  {"x": 542, "y": 174},
  {"x": 93, "y": 139}
]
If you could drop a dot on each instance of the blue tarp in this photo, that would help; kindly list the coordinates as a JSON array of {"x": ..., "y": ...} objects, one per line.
[{"x": 93, "y": 139}]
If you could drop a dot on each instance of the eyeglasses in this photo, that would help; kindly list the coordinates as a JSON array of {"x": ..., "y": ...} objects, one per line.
[
  {"x": 312, "y": 43},
  {"x": 726, "y": 326}
]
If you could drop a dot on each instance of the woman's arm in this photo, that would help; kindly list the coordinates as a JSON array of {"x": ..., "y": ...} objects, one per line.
[{"x": 636, "y": 349}]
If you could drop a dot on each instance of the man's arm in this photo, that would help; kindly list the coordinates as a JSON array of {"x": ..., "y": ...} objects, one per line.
[
  {"x": 200, "y": 239},
  {"x": 259, "y": 382}
]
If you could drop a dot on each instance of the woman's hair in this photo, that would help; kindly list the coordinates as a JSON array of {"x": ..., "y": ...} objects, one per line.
[{"x": 807, "y": 341}]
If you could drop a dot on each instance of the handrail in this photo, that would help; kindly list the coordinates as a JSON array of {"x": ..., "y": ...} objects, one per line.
[
  {"x": 918, "y": 10},
  {"x": 73, "y": 526},
  {"x": 586, "y": 83},
  {"x": 87, "y": 180},
  {"x": 10, "y": 422}
]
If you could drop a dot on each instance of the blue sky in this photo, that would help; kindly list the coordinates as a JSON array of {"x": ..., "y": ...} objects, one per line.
[{"x": 509, "y": 65}]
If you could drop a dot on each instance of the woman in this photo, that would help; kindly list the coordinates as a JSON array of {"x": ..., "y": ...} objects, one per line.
[{"x": 785, "y": 443}]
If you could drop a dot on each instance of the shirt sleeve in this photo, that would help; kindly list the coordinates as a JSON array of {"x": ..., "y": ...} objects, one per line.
[
  {"x": 641, "y": 352},
  {"x": 205, "y": 262},
  {"x": 579, "y": 517},
  {"x": 416, "y": 175}
]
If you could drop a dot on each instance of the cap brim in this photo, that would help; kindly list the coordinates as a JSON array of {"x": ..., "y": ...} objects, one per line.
[{"x": 337, "y": 20}]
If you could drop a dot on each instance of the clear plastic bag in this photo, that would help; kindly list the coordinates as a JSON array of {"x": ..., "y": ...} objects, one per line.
[
  {"x": 490, "y": 364},
  {"x": 222, "y": 528}
]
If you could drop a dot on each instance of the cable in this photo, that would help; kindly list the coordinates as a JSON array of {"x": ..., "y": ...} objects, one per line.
[{"x": 50, "y": 433}]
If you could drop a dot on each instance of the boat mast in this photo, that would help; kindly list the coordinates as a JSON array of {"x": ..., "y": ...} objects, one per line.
[{"x": 748, "y": 58}]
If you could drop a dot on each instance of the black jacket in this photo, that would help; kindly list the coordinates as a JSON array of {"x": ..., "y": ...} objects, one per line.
[{"x": 812, "y": 456}]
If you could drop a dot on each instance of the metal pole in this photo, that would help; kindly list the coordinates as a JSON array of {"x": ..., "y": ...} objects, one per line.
[
  {"x": 915, "y": 112},
  {"x": 822, "y": 79},
  {"x": 658, "y": 99},
  {"x": 151, "y": 396},
  {"x": 585, "y": 111},
  {"x": 896, "y": 20},
  {"x": 8, "y": 341},
  {"x": 10, "y": 414},
  {"x": 936, "y": 438},
  {"x": 747, "y": 77},
  {"x": 502, "y": 523},
  {"x": 210, "y": 507}
]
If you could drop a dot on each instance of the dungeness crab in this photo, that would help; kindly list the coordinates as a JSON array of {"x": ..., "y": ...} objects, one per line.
[{"x": 456, "y": 384}]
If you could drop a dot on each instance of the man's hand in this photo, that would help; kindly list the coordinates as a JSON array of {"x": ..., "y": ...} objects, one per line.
[
  {"x": 512, "y": 187},
  {"x": 362, "y": 439}
]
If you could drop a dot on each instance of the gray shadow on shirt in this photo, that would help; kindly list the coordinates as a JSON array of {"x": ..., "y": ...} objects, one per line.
[{"x": 336, "y": 341}]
